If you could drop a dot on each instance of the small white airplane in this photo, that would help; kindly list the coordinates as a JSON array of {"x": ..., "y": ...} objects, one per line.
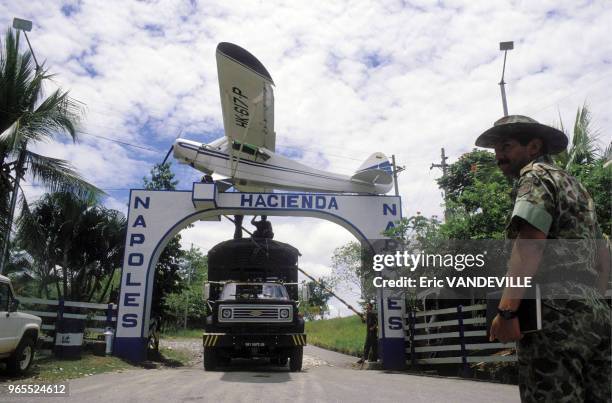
[{"x": 246, "y": 154}]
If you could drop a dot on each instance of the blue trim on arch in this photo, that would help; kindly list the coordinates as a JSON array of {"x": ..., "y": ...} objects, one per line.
[
  {"x": 391, "y": 360},
  {"x": 131, "y": 348}
]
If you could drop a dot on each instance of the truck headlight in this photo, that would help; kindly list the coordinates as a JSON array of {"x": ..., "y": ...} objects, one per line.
[
  {"x": 226, "y": 313},
  {"x": 284, "y": 313}
]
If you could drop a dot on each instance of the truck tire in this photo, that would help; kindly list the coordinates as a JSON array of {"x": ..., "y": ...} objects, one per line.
[
  {"x": 282, "y": 360},
  {"x": 295, "y": 359},
  {"x": 210, "y": 359},
  {"x": 22, "y": 358}
]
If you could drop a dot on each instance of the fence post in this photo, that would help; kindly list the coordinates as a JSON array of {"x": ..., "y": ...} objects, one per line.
[
  {"x": 462, "y": 340},
  {"x": 60, "y": 311},
  {"x": 411, "y": 320},
  {"x": 109, "y": 315}
]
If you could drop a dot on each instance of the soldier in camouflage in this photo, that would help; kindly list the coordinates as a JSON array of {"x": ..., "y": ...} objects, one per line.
[{"x": 558, "y": 242}]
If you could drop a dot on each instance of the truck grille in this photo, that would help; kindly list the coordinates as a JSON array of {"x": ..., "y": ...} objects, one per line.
[{"x": 255, "y": 313}]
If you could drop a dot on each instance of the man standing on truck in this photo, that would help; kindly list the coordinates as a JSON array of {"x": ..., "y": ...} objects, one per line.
[
  {"x": 264, "y": 228},
  {"x": 371, "y": 341}
]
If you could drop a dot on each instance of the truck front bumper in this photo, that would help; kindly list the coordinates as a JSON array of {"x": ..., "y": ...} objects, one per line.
[{"x": 254, "y": 340}]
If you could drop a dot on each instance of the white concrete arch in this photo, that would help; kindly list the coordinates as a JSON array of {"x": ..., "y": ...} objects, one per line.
[{"x": 155, "y": 217}]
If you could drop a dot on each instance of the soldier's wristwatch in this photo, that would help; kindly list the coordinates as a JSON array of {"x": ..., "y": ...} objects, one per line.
[{"x": 506, "y": 314}]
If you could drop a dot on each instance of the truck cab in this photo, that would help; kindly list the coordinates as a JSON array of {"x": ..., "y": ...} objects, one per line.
[{"x": 253, "y": 305}]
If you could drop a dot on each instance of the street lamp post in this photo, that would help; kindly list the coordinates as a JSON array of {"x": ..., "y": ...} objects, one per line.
[
  {"x": 505, "y": 46},
  {"x": 25, "y": 26}
]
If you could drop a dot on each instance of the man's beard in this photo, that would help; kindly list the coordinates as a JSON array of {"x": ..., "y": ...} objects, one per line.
[{"x": 513, "y": 168}]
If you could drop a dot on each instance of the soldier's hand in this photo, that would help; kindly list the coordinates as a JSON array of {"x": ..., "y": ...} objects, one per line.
[{"x": 505, "y": 330}]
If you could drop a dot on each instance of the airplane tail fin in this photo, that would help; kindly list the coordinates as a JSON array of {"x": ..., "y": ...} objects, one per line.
[{"x": 376, "y": 169}]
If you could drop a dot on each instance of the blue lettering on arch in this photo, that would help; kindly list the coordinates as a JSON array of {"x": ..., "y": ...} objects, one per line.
[
  {"x": 392, "y": 304},
  {"x": 128, "y": 281},
  {"x": 129, "y": 320},
  {"x": 136, "y": 239},
  {"x": 333, "y": 204},
  {"x": 390, "y": 225},
  {"x": 246, "y": 199},
  {"x": 306, "y": 201},
  {"x": 260, "y": 201},
  {"x": 129, "y": 299},
  {"x": 135, "y": 259},
  {"x": 395, "y": 323},
  {"x": 320, "y": 202},
  {"x": 145, "y": 203},
  {"x": 292, "y": 201},
  {"x": 140, "y": 222},
  {"x": 390, "y": 208},
  {"x": 273, "y": 198}
]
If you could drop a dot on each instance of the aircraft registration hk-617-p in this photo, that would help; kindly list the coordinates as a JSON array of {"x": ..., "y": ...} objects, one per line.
[{"x": 246, "y": 154}]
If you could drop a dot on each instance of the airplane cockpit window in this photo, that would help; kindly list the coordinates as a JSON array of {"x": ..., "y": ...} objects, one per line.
[{"x": 249, "y": 149}]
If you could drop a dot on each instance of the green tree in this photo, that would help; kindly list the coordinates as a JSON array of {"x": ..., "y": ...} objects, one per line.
[
  {"x": 585, "y": 160},
  {"x": 188, "y": 306},
  {"x": 316, "y": 306},
  {"x": 477, "y": 197},
  {"x": 351, "y": 265},
  {"x": 167, "y": 271},
  {"x": 75, "y": 244},
  {"x": 27, "y": 117}
]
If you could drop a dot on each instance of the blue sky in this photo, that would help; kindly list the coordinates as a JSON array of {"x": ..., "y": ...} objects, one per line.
[{"x": 352, "y": 77}]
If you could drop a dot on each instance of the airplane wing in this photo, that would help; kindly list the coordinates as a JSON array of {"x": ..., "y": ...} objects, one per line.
[{"x": 247, "y": 100}]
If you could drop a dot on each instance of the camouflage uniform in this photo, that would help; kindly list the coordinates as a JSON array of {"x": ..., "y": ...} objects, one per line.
[{"x": 569, "y": 360}]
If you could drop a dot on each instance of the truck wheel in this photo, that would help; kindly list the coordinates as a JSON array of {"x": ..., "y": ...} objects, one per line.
[
  {"x": 282, "y": 360},
  {"x": 21, "y": 360},
  {"x": 210, "y": 359},
  {"x": 295, "y": 359}
]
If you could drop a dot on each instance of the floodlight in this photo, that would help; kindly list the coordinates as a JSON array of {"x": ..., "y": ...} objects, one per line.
[{"x": 23, "y": 25}]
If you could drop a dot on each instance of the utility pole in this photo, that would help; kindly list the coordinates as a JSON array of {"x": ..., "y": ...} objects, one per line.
[
  {"x": 444, "y": 166},
  {"x": 396, "y": 170}
]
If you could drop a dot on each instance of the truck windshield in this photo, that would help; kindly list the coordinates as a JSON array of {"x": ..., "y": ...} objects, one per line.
[{"x": 233, "y": 291}]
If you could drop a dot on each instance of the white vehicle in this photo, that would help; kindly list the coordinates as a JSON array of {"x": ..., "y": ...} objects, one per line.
[
  {"x": 18, "y": 331},
  {"x": 246, "y": 154}
]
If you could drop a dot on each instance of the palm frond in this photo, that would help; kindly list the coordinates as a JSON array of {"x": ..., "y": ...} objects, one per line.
[
  {"x": 584, "y": 147},
  {"x": 56, "y": 114},
  {"x": 58, "y": 176}
]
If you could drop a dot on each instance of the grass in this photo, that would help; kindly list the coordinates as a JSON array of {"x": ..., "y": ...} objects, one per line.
[
  {"x": 175, "y": 357},
  {"x": 345, "y": 335},
  {"x": 50, "y": 369}
]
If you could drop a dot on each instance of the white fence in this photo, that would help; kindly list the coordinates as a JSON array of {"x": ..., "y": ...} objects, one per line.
[
  {"x": 455, "y": 335},
  {"x": 55, "y": 309}
]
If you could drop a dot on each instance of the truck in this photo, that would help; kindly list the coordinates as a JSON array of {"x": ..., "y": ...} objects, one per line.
[
  {"x": 252, "y": 297},
  {"x": 19, "y": 331}
]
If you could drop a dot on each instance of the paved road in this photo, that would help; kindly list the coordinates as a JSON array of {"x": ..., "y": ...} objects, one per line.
[{"x": 327, "y": 377}]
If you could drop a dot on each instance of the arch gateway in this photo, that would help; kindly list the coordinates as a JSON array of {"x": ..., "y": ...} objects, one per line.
[{"x": 154, "y": 217}]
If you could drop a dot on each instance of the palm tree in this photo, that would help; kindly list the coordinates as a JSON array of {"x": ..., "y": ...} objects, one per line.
[
  {"x": 75, "y": 243},
  {"x": 590, "y": 164},
  {"x": 27, "y": 117},
  {"x": 583, "y": 148}
]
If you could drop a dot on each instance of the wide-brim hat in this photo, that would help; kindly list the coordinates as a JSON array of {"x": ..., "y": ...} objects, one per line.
[{"x": 509, "y": 126}]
